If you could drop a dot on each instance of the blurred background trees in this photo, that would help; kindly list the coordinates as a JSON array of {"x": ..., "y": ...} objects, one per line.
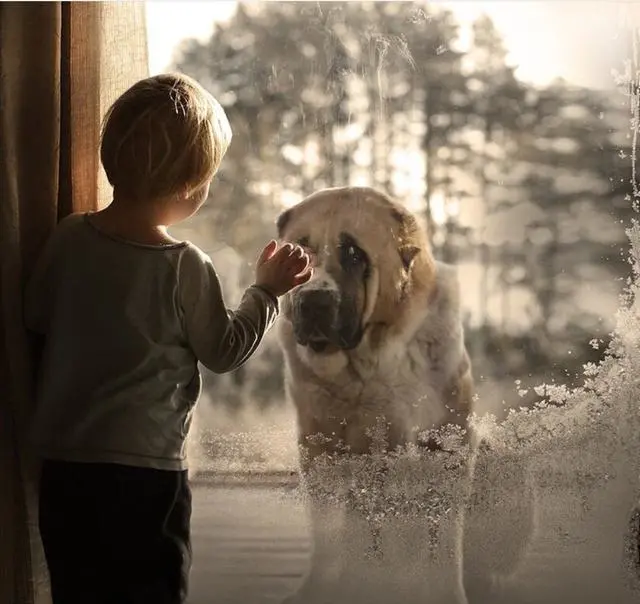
[{"x": 522, "y": 187}]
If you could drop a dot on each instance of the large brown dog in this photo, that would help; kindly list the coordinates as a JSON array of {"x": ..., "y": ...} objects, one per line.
[
  {"x": 376, "y": 334},
  {"x": 374, "y": 341}
]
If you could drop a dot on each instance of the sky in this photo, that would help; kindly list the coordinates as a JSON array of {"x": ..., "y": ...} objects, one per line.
[{"x": 579, "y": 40}]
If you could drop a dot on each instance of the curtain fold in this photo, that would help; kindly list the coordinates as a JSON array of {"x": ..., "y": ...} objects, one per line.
[{"x": 61, "y": 66}]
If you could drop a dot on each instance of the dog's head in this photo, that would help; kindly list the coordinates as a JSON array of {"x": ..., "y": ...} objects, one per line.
[{"x": 370, "y": 258}]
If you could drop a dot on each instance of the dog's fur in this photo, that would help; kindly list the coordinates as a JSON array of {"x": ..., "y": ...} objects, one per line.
[{"x": 374, "y": 339}]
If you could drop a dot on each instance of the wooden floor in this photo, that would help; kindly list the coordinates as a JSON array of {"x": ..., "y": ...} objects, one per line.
[{"x": 251, "y": 544}]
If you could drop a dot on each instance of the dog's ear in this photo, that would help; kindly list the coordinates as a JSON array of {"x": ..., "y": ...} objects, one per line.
[
  {"x": 408, "y": 227},
  {"x": 408, "y": 254},
  {"x": 282, "y": 221},
  {"x": 398, "y": 215}
]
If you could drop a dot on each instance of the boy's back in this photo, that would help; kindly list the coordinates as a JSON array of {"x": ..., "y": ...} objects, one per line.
[{"x": 120, "y": 383}]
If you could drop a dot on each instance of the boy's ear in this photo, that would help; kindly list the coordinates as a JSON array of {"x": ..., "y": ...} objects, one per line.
[{"x": 282, "y": 221}]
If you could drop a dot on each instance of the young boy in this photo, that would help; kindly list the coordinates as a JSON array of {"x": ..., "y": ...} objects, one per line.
[{"x": 127, "y": 312}]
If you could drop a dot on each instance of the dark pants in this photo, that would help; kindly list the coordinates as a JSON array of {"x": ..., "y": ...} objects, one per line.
[{"x": 115, "y": 534}]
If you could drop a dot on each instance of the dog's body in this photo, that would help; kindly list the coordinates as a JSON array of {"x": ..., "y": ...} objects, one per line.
[
  {"x": 416, "y": 381},
  {"x": 373, "y": 343}
]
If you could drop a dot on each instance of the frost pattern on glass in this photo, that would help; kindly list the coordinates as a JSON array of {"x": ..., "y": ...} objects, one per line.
[{"x": 548, "y": 511}]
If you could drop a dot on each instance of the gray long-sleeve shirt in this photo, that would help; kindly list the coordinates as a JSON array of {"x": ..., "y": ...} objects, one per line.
[{"x": 124, "y": 326}]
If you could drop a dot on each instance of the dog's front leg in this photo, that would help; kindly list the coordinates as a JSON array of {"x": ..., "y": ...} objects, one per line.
[
  {"x": 497, "y": 524},
  {"x": 326, "y": 513}
]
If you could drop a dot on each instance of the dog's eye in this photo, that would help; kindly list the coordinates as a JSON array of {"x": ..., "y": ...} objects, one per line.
[{"x": 352, "y": 255}]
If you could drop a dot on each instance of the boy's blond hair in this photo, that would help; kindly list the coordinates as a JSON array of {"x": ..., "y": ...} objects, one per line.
[{"x": 166, "y": 135}]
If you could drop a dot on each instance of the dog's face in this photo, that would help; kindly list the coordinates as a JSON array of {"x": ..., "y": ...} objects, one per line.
[{"x": 368, "y": 254}]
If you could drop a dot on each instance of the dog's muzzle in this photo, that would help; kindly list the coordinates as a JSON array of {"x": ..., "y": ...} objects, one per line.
[{"x": 315, "y": 318}]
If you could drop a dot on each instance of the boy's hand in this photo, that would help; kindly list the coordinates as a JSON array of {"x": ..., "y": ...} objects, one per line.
[{"x": 280, "y": 269}]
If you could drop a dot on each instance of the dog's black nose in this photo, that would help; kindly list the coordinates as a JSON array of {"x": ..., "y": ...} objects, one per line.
[
  {"x": 315, "y": 318},
  {"x": 317, "y": 304}
]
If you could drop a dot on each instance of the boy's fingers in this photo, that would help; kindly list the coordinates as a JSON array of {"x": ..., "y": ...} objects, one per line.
[
  {"x": 303, "y": 261},
  {"x": 268, "y": 251},
  {"x": 298, "y": 268},
  {"x": 303, "y": 277},
  {"x": 284, "y": 251},
  {"x": 295, "y": 259}
]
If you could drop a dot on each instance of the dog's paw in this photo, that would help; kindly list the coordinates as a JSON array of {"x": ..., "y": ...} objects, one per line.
[{"x": 499, "y": 524}]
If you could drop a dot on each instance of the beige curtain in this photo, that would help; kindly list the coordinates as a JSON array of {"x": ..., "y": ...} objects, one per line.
[{"x": 61, "y": 65}]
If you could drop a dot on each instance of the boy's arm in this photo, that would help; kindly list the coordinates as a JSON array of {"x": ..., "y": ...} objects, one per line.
[
  {"x": 38, "y": 292},
  {"x": 221, "y": 339}
]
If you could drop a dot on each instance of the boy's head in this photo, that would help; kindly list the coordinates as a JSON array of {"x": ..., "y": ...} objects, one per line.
[{"x": 164, "y": 137}]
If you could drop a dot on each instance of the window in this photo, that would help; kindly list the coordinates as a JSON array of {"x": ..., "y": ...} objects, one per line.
[{"x": 500, "y": 126}]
